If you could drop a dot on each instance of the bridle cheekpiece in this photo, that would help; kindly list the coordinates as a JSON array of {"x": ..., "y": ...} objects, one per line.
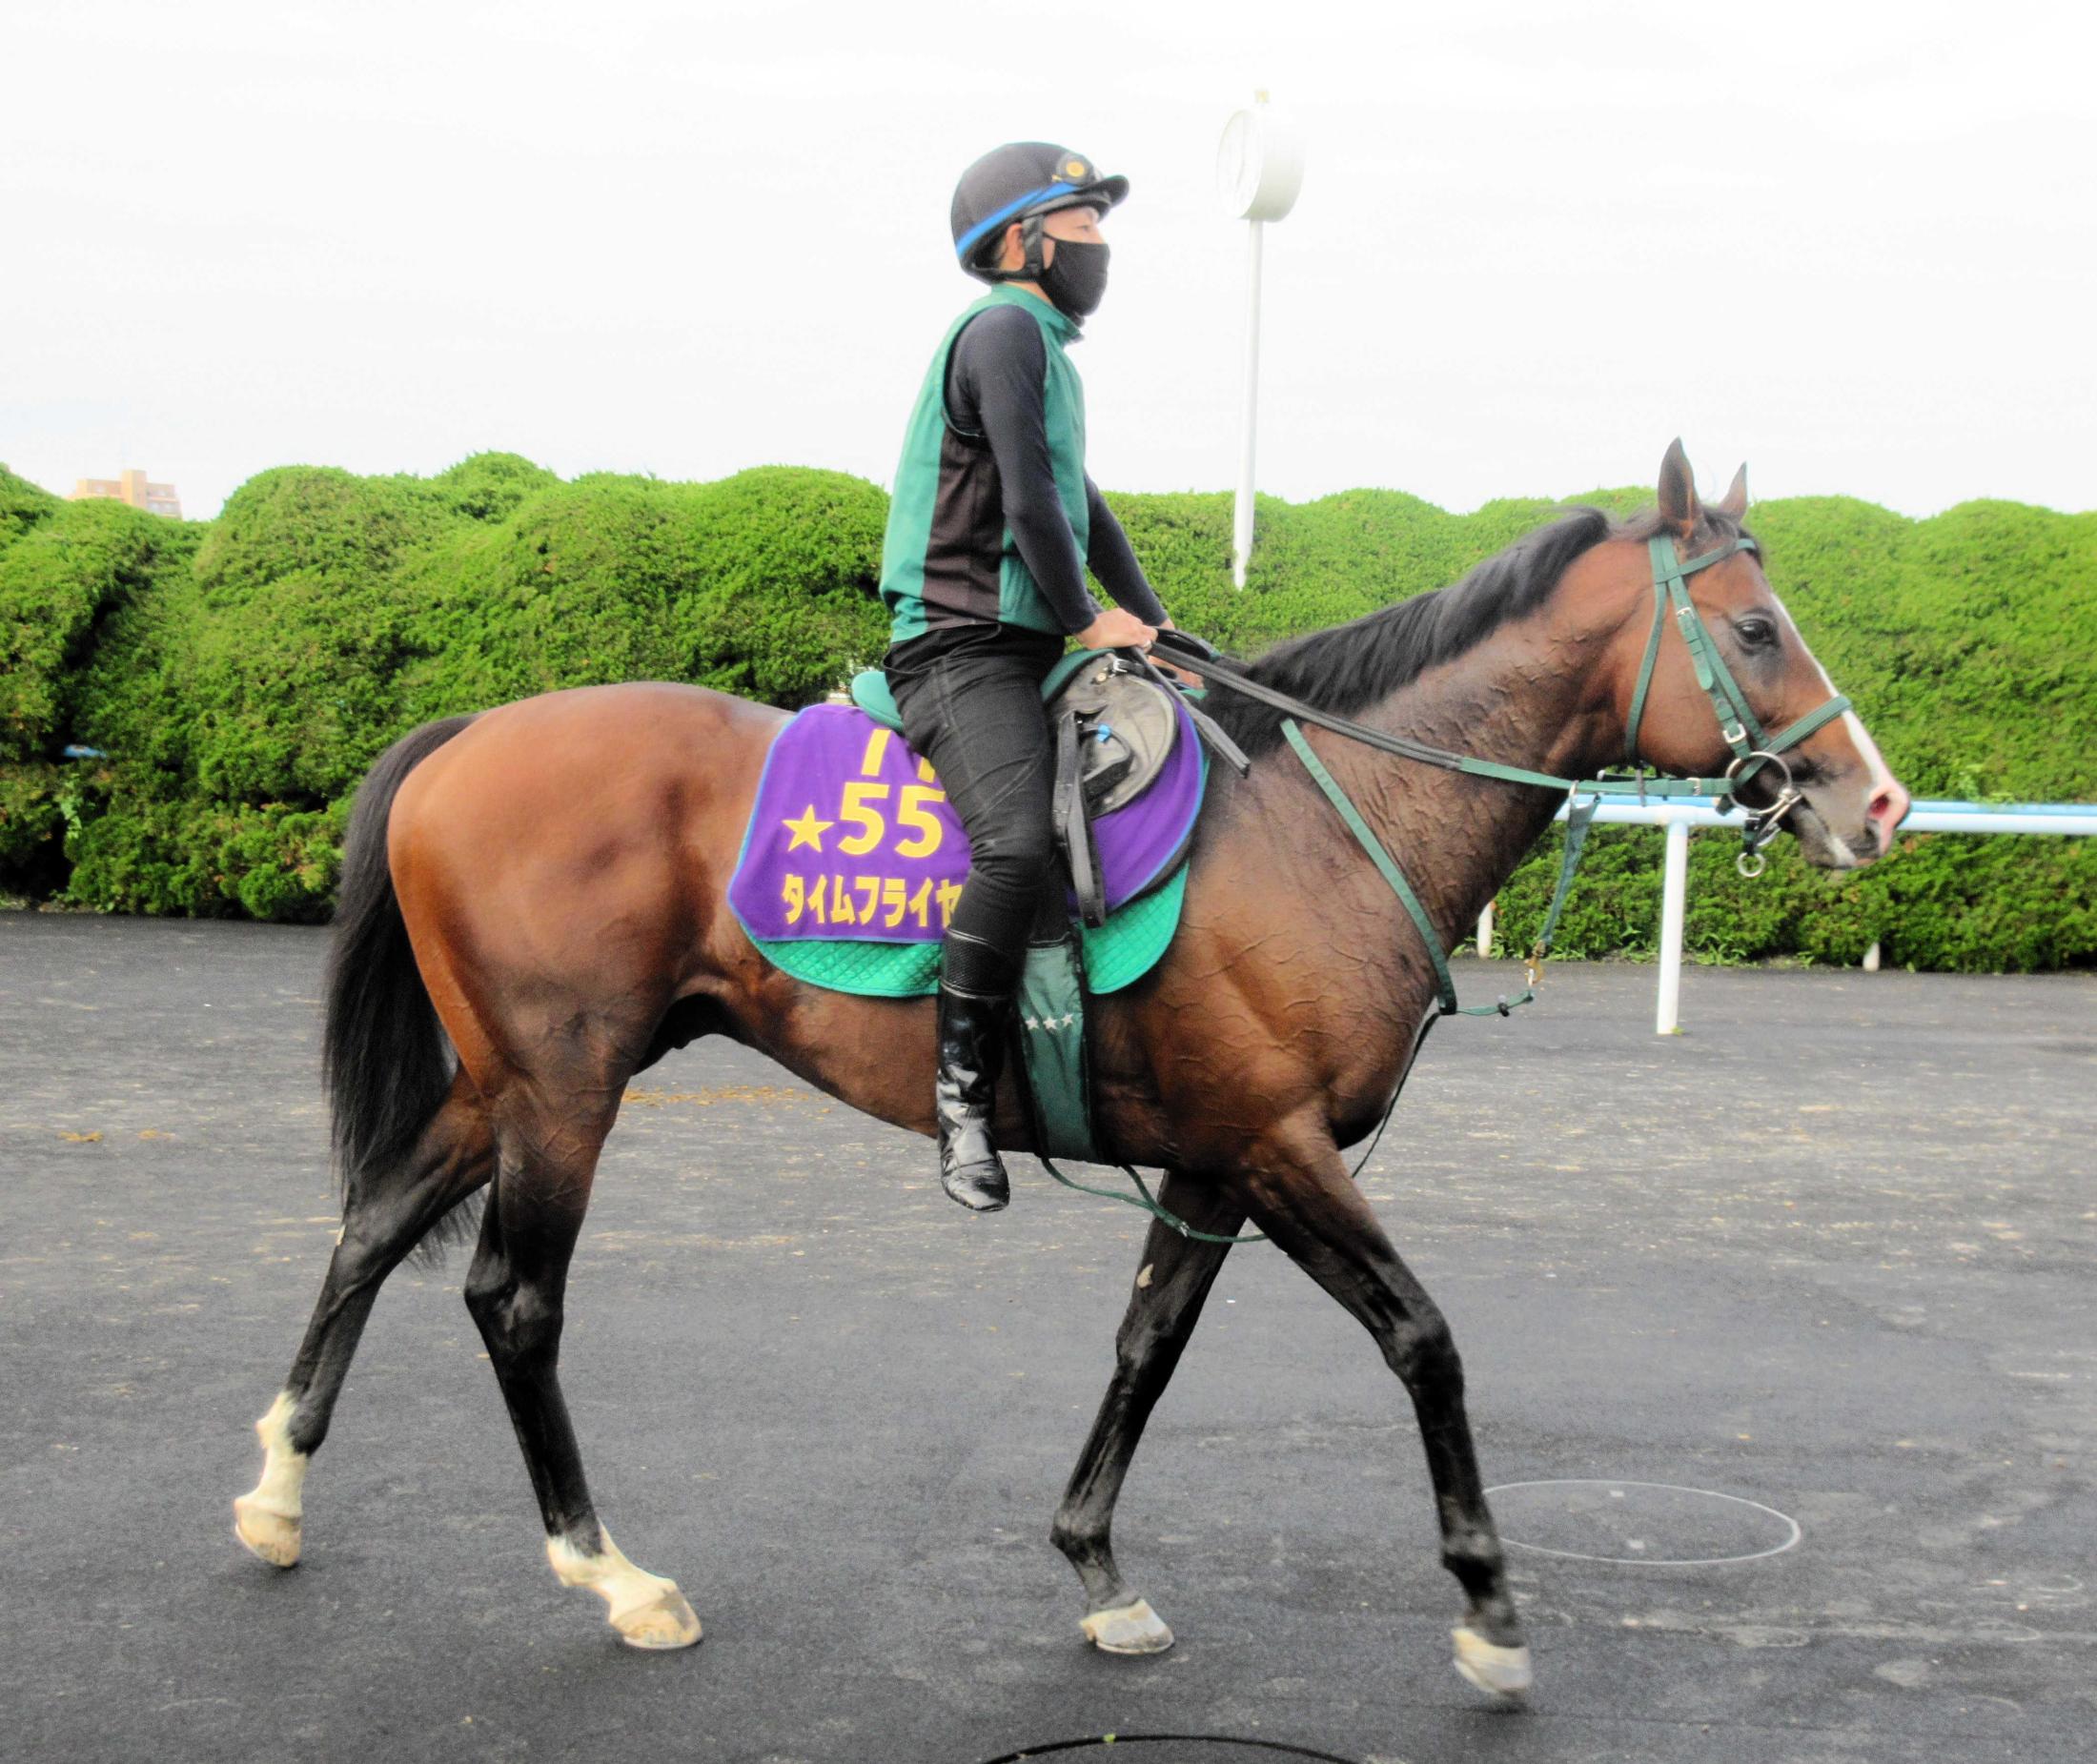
[{"x": 1752, "y": 748}]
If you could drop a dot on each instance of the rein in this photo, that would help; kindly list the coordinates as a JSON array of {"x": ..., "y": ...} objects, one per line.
[{"x": 1752, "y": 748}]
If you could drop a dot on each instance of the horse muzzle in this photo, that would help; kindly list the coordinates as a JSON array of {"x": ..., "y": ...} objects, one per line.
[{"x": 1834, "y": 832}]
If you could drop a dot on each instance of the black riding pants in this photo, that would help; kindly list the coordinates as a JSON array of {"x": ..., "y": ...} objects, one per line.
[{"x": 970, "y": 699}]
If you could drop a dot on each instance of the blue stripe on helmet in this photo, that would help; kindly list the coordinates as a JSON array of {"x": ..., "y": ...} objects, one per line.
[{"x": 967, "y": 240}]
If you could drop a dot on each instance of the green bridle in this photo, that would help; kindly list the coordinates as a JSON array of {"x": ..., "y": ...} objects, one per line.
[{"x": 1753, "y": 749}]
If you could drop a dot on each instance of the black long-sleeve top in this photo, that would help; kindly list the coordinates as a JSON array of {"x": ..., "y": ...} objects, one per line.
[{"x": 995, "y": 377}]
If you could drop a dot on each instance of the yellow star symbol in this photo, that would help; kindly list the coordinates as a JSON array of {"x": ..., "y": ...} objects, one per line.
[{"x": 806, "y": 829}]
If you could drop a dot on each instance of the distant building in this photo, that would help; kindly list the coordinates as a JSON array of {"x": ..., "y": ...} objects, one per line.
[{"x": 131, "y": 487}]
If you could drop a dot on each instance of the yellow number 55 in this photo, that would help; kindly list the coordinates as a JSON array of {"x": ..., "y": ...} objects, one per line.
[
  {"x": 913, "y": 812},
  {"x": 859, "y": 795}
]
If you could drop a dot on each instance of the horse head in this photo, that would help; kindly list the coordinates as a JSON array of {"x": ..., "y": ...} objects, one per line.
[{"x": 1842, "y": 801}]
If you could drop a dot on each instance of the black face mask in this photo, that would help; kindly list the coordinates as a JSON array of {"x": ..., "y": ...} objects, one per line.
[{"x": 1076, "y": 279}]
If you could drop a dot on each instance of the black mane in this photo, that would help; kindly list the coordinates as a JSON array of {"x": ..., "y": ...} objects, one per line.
[{"x": 1350, "y": 667}]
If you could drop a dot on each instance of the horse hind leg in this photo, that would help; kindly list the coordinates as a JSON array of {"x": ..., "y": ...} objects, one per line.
[
  {"x": 515, "y": 1291},
  {"x": 384, "y": 1217},
  {"x": 1164, "y": 1306}
]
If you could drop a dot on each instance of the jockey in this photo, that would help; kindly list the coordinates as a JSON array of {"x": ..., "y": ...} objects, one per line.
[{"x": 991, "y": 528}]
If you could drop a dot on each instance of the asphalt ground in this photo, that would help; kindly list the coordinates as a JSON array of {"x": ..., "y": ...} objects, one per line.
[{"x": 1828, "y": 1251}]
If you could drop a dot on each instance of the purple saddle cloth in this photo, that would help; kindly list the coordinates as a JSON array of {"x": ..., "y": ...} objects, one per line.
[{"x": 851, "y": 837}]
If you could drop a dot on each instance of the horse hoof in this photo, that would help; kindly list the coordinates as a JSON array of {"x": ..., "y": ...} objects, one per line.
[
  {"x": 646, "y": 1609},
  {"x": 667, "y": 1621},
  {"x": 266, "y": 1519},
  {"x": 1498, "y": 1671},
  {"x": 272, "y": 1535},
  {"x": 1127, "y": 1629}
]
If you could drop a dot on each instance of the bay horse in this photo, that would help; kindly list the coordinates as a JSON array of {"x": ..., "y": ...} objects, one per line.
[{"x": 533, "y": 910}]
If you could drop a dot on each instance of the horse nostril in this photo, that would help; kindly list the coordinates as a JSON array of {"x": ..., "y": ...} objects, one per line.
[{"x": 1886, "y": 811}]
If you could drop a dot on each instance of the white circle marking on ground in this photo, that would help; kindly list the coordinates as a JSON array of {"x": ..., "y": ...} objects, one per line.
[{"x": 1792, "y": 1527}]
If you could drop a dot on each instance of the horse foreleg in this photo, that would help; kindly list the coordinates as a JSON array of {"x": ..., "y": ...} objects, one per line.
[
  {"x": 382, "y": 1220},
  {"x": 1301, "y": 1196},
  {"x": 1163, "y": 1309},
  {"x": 515, "y": 1291}
]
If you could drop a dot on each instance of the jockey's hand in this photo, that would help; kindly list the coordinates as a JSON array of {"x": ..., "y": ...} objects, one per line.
[
  {"x": 1116, "y": 629},
  {"x": 1178, "y": 674}
]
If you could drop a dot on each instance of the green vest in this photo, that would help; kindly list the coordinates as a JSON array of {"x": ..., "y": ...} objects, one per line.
[{"x": 947, "y": 558}]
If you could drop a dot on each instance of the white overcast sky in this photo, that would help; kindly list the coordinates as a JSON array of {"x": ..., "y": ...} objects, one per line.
[{"x": 1853, "y": 244}]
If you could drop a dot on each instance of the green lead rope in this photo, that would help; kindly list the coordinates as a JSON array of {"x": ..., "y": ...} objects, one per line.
[
  {"x": 1157, "y": 1209},
  {"x": 1149, "y": 1202},
  {"x": 1578, "y": 817},
  {"x": 1743, "y": 733}
]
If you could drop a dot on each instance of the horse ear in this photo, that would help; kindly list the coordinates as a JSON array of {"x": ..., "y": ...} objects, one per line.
[
  {"x": 1679, "y": 504},
  {"x": 1733, "y": 503}
]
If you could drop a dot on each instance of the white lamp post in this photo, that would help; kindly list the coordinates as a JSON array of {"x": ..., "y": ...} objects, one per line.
[{"x": 1259, "y": 169}]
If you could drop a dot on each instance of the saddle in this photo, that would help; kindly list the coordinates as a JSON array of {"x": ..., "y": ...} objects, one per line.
[
  {"x": 1114, "y": 721},
  {"x": 1113, "y": 731}
]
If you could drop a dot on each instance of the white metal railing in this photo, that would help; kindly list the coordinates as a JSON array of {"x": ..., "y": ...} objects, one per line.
[{"x": 1681, "y": 815}]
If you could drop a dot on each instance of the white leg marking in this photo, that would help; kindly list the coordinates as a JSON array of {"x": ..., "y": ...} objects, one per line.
[
  {"x": 646, "y": 1609},
  {"x": 267, "y": 1520},
  {"x": 1501, "y": 1671},
  {"x": 1127, "y": 1629}
]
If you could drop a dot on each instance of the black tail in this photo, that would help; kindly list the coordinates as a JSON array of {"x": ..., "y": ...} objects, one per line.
[{"x": 384, "y": 1057}]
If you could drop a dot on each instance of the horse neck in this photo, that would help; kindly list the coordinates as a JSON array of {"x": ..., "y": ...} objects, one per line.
[{"x": 1524, "y": 698}]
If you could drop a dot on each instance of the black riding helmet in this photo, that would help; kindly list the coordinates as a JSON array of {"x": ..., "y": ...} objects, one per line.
[{"x": 1023, "y": 181}]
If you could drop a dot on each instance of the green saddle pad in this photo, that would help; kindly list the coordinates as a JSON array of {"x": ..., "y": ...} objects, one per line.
[{"x": 1119, "y": 953}]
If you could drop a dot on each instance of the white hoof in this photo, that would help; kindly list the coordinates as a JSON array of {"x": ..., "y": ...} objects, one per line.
[
  {"x": 646, "y": 1609},
  {"x": 272, "y": 1535},
  {"x": 267, "y": 1519},
  {"x": 1498, "y": 1671},
  {"x": 1127, "y": 1629},
  {"x": 665, "y": 1622}
]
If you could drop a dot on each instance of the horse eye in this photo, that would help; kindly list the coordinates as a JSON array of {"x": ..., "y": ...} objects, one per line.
[{"x": 1756, "y": 632}]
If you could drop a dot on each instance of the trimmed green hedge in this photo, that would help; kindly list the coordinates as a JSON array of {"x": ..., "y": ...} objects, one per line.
[
  {"x": 241, "y": 675},
  {"x": 71, "y": 574}
]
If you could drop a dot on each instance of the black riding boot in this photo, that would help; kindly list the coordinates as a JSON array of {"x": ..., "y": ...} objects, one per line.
[{"x": 972, "y": 1018}]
